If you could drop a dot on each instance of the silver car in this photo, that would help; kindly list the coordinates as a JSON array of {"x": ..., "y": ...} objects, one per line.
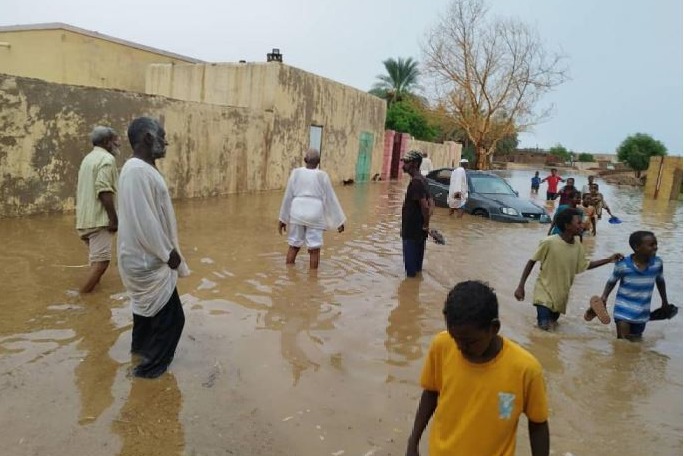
[{"x": 489, "y": 196}]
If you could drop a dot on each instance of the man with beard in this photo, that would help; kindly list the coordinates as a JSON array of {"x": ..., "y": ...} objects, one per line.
[{"x": 149, "y": 258}]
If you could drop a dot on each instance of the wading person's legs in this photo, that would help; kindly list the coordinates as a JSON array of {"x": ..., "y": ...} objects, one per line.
[
  {"x": 314, "y": 242},
  {"x": 295, "y": 239},
  {"x": 410, "y": 250},
  {"x": 165, "y": 330},
  {"x": 99, "y": 254}
]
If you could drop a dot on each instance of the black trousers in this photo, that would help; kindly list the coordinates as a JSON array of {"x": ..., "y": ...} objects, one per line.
[{"x": 155, "y": 338}]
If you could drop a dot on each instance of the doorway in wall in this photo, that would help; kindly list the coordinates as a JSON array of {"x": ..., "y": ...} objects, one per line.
[
  {"x": 396, "y": 156},
  {"x": 363, "y": 161},
  {"x": 316, "y": 137}
]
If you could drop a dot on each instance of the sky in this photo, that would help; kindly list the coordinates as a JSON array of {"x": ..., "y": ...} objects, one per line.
[{"x": 624, "y": 56}]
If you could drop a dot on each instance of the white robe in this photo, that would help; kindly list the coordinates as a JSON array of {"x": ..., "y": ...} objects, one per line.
[
  {"x": 458, "y": 183},
  {"x": 311, "y": 201},
  {"x": 147, "y": 234}
]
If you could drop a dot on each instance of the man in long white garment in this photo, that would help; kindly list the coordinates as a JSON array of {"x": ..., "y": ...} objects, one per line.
[
  {"x": 458, "y": 189},
  {"x": 149, "y": 258},
  {"x": 309, "y": 207}
]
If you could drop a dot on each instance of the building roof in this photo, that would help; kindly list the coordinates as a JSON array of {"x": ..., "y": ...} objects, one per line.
[{"x": 71, "y": 28}]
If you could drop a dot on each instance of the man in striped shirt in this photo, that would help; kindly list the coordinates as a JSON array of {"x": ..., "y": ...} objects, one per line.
[{"x": 637, "y": 274}]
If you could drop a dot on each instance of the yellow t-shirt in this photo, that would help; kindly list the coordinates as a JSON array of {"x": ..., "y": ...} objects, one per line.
[
  {"x": 97, "y": 174},
  {"x": 479, "y": 404},
  {"x": 560, "y": 262}
]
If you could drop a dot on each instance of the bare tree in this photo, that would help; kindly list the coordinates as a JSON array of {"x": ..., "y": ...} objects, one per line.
[{"x": 489, "y": 73}]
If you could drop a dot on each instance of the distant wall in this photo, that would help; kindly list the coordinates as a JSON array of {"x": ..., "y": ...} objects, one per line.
[
  {"x": 443, "y": 155},
  {"x": 44, "y": 131},
  {"x": 67, "y": 57},
  {"x": 296, "y": 99},
  {"x": 664, "y": 178}
]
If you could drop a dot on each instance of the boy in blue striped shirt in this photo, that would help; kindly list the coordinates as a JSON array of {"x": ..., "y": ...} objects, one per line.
[{"x": 637, "y": 274}]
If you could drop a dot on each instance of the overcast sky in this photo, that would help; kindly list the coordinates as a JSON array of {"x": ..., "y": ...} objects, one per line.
[{"x": 625, "y": 56}]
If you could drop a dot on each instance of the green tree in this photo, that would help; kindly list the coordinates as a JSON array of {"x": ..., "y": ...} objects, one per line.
[
  {"x": 637, "y": 151},
  {"x": 406, "y": 117},
  {"x": 561, "y": 152},
  {"x": 400, "y": 82},
  {"x": 507, "y": 145},
  {"x": 585, "y": 157}
]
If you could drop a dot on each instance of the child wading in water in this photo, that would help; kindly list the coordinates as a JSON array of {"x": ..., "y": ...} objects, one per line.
[
  {"x": 561, "y": 259},
  {"x": 478, "y": 383},
  {"x": 536, "y": 182},
  {"x": 637, "y": 274}
]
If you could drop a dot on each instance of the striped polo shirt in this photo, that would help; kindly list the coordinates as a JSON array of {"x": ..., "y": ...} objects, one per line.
[{"x": 633, "y": 300}]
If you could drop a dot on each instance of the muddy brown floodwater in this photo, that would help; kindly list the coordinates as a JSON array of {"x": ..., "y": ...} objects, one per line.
[{"x": 276, "y": 361}]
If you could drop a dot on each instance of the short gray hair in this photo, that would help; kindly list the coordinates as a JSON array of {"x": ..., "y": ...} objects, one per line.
[
  {"x": 312, "y": 155},
  {"x": 100, "y": 135}
]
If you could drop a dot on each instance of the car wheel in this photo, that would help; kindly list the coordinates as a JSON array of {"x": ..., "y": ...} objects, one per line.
[{"x": 481, "y": 213}]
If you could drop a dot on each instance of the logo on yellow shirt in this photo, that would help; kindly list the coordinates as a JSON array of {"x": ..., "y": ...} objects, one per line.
[{"x": 506, "y": 401}]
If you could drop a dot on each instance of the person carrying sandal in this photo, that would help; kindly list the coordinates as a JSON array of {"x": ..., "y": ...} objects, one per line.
[{"x": 637, "y": 274}]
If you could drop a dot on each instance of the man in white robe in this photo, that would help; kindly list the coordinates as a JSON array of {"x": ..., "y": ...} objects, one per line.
[
  {"x": 309, "y": 207},
  {"x": 426, "y": 165},
  {"x": 149, "y": 258},
  {"x": 458, "y": 189}
]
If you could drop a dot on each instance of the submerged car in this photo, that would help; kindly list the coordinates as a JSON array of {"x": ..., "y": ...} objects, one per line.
[{"x": 489, "y": 196}]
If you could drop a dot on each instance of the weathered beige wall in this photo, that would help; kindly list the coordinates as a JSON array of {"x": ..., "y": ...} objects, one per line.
[
  {"x": 72, "y": 58},
  {"x": 442, "y": 155},
  {"x": 670, "y": 174},
  {"x": 44, "y": 131},
  {"x": 297, "y": 99}
]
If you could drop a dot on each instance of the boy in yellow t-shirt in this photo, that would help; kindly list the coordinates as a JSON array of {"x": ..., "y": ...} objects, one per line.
[{"x": 477, "y": 383}]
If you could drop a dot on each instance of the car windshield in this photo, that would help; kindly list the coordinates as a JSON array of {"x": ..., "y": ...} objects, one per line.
[{"x": 490, "y": 184}]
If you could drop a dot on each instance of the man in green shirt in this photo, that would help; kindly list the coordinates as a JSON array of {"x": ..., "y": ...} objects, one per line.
[{"x": 96, "y": 220}]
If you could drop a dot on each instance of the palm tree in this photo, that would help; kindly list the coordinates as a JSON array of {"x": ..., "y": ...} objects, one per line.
[{"x": 399, "y": 82}]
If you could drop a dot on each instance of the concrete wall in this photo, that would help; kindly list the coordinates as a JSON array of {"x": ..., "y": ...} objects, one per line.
[
  {"x": 296, "y": 99},
  {"x": 44, "y": 131},
  {"x": 67, "y": 57},
  {"x": 442, "y": 155},
  {"x": 664, "y": 178}
]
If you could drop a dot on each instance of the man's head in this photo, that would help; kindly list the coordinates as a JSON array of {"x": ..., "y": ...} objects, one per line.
[
  {"x": 576, "y": 198},
  {"x": 536, "y": 174},
  {"x": 590, "y": 179},
  {"x": 471, "y": 312},
  {"x": 106, "y": 138},
  {"x": 554, "y": 171},
  {"x": 593, "y": 188},
  {"x": 147, "y": 138},
  {"x": 464, "y": 163},
  {"x": 570, "y": 182},
  {"x": 312, "y": 158},
  {"x": 424, "y": 154},
  {"x": 644, "y": 243},
  {"x": 412, "y": 161},
  {"x": 586, "y": 200},
  {"x": 569, "y": 222}
]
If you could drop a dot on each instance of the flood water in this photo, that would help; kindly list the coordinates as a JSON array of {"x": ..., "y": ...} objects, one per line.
[{"x": 278, "y": 361}]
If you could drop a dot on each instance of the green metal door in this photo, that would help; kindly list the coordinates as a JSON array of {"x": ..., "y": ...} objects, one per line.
[{"x": 363, "y": 161}]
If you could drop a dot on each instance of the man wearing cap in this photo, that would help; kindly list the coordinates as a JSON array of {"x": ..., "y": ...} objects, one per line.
[
  {"x": 415, "y": 215},
  {"x": 458, "y": 189}
]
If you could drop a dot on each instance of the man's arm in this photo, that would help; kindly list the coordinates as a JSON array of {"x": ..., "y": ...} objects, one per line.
[
  {"x": 426, "y": 408},
  {"x": 520, "y": 292},
  {"x": 660, "y": 283},
  {"x": 539, "y": 438},
  {"x": 425, "y": 209},
  {"x": 107, "y": 200},
  {"x": 614, "y": 258}
]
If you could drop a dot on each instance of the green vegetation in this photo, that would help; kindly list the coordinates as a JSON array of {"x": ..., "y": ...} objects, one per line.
[
  {"x": 585, "y": 157},
  {"x": 561, "y": 152},
  {"x": 399, "y": 83},
  {"x": 407, "y": 117},
  {"x": 637, "y": 150}
]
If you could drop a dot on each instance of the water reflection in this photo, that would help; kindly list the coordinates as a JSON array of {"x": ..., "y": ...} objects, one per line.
[
  {"x": 149, "y": 421},
  {"x": 300, "y": 307},
  {"x": 96, "y": 372},
  {"x": 403, "y": 328}
]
